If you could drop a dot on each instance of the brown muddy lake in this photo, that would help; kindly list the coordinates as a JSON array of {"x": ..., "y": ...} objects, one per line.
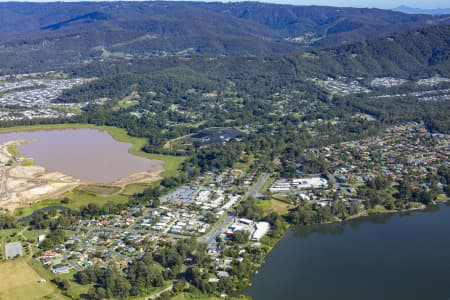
[{"x": 88, "y": 154}]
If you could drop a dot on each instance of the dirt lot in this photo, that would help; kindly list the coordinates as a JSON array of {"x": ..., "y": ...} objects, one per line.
[
  {"x": 22, "y": 185},
  {"x": 141, "y": 177}
]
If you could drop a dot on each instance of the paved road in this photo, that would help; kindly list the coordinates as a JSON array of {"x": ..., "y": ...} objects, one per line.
[
  {"x": 210, "y": 237},
  {"x": 74, "y": 265},
  {"x": 254, "y": 193},
  {"x": 156, "y": 295}
]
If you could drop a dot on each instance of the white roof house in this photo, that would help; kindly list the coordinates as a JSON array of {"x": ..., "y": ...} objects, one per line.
[{"x": 262, "y": 228}]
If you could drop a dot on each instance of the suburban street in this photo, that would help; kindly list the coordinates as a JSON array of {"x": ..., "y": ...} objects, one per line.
[
  {"x": 210, "y": 237},
  {"x": 254, "y": 192}
]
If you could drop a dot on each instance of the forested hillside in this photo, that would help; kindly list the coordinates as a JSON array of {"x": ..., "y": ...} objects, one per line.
[
  {"x": 46, "y": 35},
  {"x": 411, "y": 54}
]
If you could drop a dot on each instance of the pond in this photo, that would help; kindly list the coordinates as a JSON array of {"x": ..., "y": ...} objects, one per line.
[{"x": 88, "y": 154}]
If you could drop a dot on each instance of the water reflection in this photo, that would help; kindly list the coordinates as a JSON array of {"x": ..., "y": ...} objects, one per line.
[
  {"x": 339, "y": 228},
  {"x": 389, "y": 257}
]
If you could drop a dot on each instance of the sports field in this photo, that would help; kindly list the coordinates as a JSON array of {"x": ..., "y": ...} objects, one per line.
[{"x": 19, "y": 281}]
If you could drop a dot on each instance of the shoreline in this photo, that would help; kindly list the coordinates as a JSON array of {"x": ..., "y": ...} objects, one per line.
[
  {"x": 170, "y": 163},
  {"x": 24, "y": 183},
  {"x": 39, "y": 184},
  {"x": 428, "y": 210},
  {"x": 271, "y": 247},
  {"x": 146, "y": 176}
]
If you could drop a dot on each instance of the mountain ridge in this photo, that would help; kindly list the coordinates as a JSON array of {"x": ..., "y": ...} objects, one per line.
[
  {"x": 413, "y": 10},
  {"x": 34, "y": 34}
]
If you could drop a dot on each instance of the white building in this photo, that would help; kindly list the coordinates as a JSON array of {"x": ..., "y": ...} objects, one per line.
[{"x": 262, "y": 228}]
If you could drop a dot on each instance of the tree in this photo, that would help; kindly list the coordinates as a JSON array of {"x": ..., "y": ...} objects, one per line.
[
  {"x": 302, "y": 215},
  {"x": 64, "y": 285},
  {"x": 7, "y": 221},
  {"x": 55, "y": 237},
  {"x": 240, "y": 236},
  {"x": 210, "y": 218},
  {"x": 354, "y": 208},
  {"x": 250, "y": 209},
  {"x": 339, "y": 209},
  {"x": 424, "y": 197},
  {"x": 178, "y": 287}
]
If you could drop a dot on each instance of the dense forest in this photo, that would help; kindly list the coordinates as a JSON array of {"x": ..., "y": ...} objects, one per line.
[{"x": 41, "y": 36}]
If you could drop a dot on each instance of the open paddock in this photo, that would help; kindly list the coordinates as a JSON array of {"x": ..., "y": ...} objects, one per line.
[{"x": 19, "y": 281}]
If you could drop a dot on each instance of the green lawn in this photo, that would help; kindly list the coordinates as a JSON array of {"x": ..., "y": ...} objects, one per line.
[
  {"x": 274, "y": 205},
  {"x": 4, "y": 233},
  {"x": 379, "y": 209},
  {"x": 75, "y": 289},
  {"x": 441, "y": 198},
  {"x": 126, "y": 101},
  {"x": 134, "y": 188},
  {"x": 80, "y": 198},
  {"x": 190, "y": 296},
  {"x": 244, "y": 166},
  {"x": 32, "y": 235}
]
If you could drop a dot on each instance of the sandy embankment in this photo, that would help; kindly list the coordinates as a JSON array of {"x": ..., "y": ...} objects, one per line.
[{"x": 23, "y": 185}]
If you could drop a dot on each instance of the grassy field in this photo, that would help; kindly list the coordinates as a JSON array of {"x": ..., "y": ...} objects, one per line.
[
  {"x": 75, "y": 289},
  {"x": 441, "y": 198},
  {"x": 135, "y": 188},
  {"x": 189, "y": 296},
  {"x": 171, "y": 163},
  {"x": 78, "y": 198},
  {"x": 244, "y": 166},
  {"x": 379, "y": 209},
  {"x": 4, "y": 233},
  {"x": 19, "y": 281},
  {"x": 273, "y": 205},
  {"x": 126, "y": 101},
  {"x": 13, "y": 151},
  {"x": 99, "y": 189},
  {"x": 32, "y": 235}
]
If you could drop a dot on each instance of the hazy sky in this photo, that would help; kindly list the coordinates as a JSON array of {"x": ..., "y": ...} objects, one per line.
[
  {"x": 373, "y": 3},
  {"x": 342, "y": 3}
]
